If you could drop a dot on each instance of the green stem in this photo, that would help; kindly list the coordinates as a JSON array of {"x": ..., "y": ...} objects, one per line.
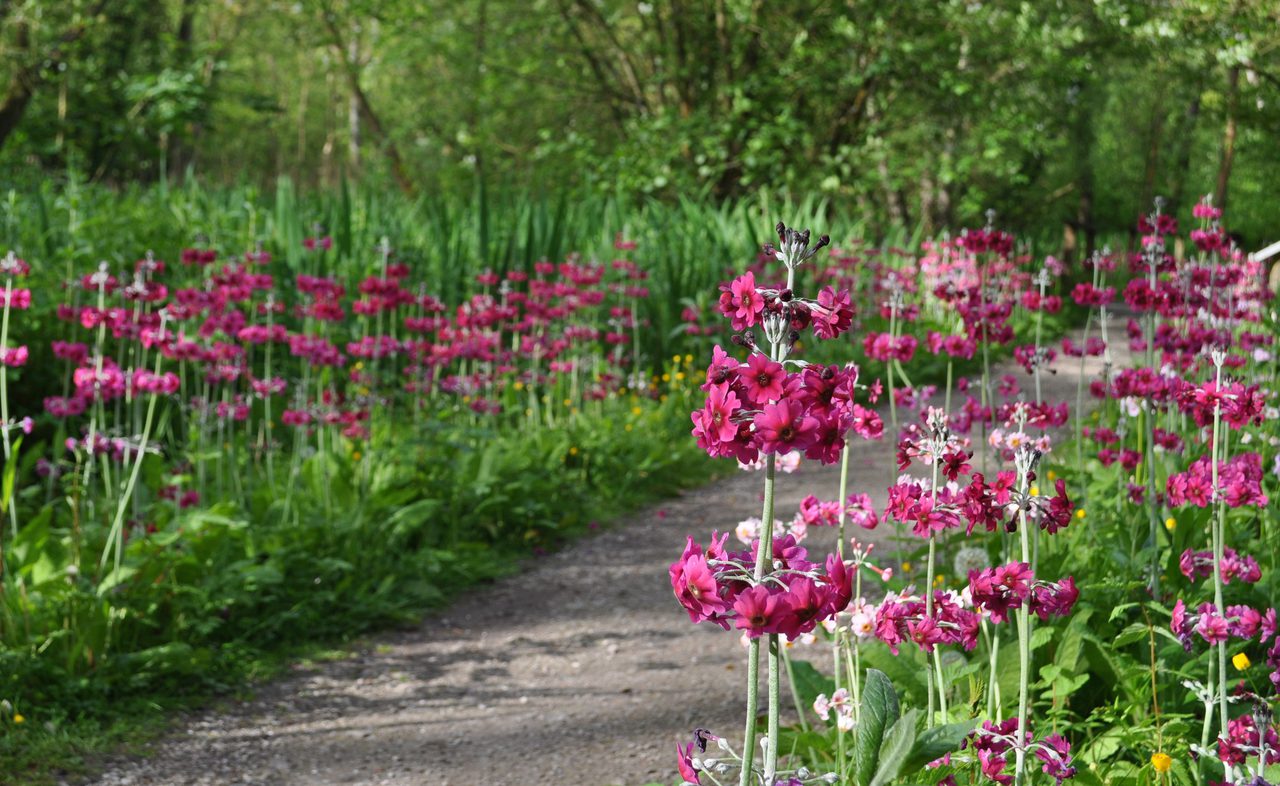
[
  {"x": 1024, "y": 651},
  {"x": 775, "y": 683},
  {"x": 795, "y": 695},
  {"x": 1219, "y": 535},
  {"x": 763, "y": 558},
  {"x": 928, "y": 603},
  {"x": 115, "y": 538}
]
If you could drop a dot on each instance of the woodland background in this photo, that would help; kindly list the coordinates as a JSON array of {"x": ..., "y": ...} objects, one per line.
[{"x": 1067, "y": 117}]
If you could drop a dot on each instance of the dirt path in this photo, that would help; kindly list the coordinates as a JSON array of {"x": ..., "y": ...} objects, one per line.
[{"x": 582, "y": 669}]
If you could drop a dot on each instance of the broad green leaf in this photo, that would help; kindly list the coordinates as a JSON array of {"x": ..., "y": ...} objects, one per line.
[
  {"x": 898, "y": 742},
  {"x": 1134, "y": 632},
  {"x": 879, "y": 711},
  {"x": 937, "y": 742}
]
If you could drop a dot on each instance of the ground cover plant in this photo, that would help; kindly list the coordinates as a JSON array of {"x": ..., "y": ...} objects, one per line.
[{"x": 1097, "y": 595}]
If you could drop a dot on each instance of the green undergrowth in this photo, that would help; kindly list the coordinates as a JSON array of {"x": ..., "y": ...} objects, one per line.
[{"x": 225, "y": 596}]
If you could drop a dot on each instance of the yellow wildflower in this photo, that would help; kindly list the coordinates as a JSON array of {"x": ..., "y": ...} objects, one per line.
[
  {"x": 18, "y": 718},
  {"x": 1170, "y": 523},
  {"x": 1080, "y": 513},
  {"x": 1161, "y": 761},
  {"x": 1240, "y": 661}
]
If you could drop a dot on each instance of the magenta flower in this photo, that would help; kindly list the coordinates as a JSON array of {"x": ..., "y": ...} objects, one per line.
[
  {"x": 742, "y": 302},
  {"x": 1211, "y": 626},
  {"x": 925, "y": 633},
  {"x": 716, "y": 421},
  {"x": 684, "y": 763},
  {"x": 758, "y": 611},
  {"x": 832, "y": 313},
  {"x": 784, "y": 427},
  {"x": 1001, "y": 589},
  {"x": 1055, "y": 752},
  {"x": 861, "y": 511},
  {"x": 763, "y": 379},
  {"x": 15, "y": 357},
  {"x": 722, "y": 368}
]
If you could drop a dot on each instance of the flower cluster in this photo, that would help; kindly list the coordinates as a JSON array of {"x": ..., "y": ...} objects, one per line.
[
  {"x": 716, "y": 585},
  {"x": 994, "y": 741},
  {"x": 1002, "y": 589},
  {"x": 1199, "y": 565},
  {"x": 1239, "y": 483}
]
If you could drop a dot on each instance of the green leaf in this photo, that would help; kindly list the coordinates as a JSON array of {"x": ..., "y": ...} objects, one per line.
[
  {"x": 898, "y": 742},
  {"x": 10, "y": 472},
  {"x": 1041, "y": 637},
  {"x": 878, "y": 712},
  {"x": 937, "y": 742},
  {"x": 809, "y": 682},
  {"x": 1135, "y": 632}
]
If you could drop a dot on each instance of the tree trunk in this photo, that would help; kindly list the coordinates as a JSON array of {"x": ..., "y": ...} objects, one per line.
[
  {"x": 351, "y": 70},
  {"x": 1082, "y": 138},
  {"x": 1155, "y": 138},
  {"x": 22, "y": 86},
  {"x": 1228, "y": 139},
  {"x": 353, "y": 116},
  {"x": 17, "y": 97},
  {"x": 1186, "y": 130}
]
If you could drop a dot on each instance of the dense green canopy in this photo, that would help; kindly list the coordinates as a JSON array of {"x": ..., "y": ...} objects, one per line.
[{"x": 1058, "y": 113}]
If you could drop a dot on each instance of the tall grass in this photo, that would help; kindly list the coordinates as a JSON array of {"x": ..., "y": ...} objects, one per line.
[{"x": 687, "y": 245}]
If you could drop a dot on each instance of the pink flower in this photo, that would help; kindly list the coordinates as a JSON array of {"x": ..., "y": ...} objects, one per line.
[
  {"x": 18, "y": 298},
  {"x": 1053, "y": 599},
  {"x": 1212, "y": 626},
  {"x": 758, "y": 611},
  {"x": 1055, "y": 752},
  {"x": 742, "y": 302},
  {"x": 684, "y": 763},
  {"x": 697, "y": 590},
  {"x": 784, "y": 427},
  {"x": 716, "y": 422},
  {"x": 832, "y": 314},
  {"x": 861, "y": 511},
  {"x": 762, "y": 379},
  {"x": 1001, "y": 589},
  {"x": 924, "y": 633},
  {"x": 14, "y": 358}
]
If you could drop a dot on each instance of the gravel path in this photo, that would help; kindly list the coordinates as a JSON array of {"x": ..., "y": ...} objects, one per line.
[{"x": 581, "y": 669}]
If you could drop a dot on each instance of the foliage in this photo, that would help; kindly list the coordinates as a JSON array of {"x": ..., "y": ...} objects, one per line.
[{"x": 1054, "y": 112}]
